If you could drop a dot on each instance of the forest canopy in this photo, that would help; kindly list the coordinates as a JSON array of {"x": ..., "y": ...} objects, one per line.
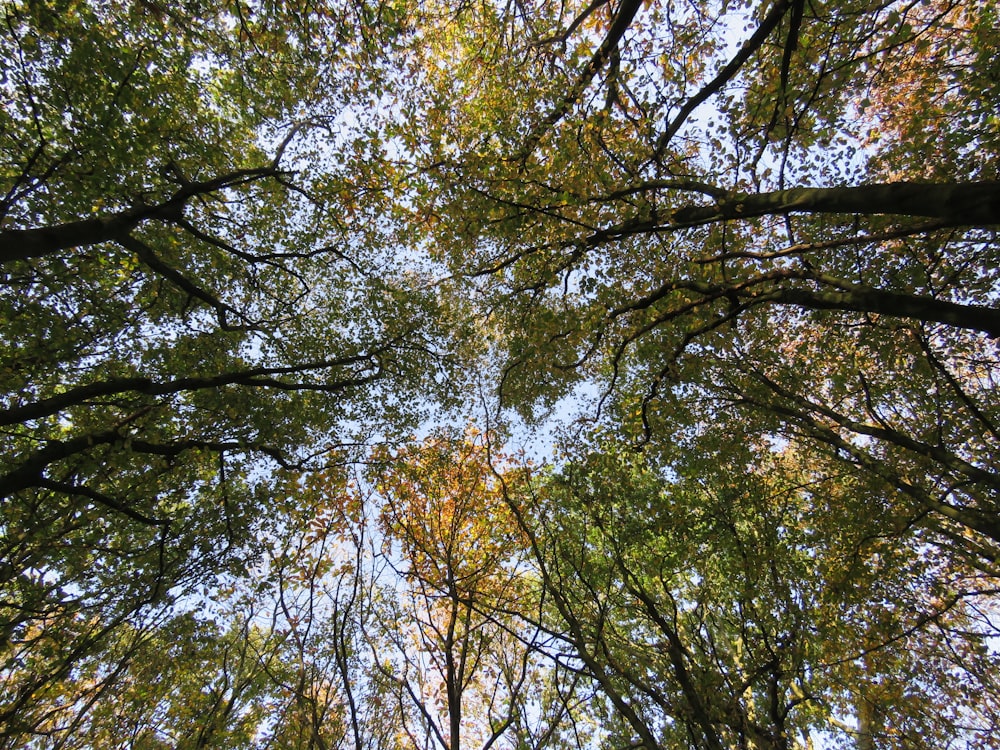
[{"x": 398, "y": 375}]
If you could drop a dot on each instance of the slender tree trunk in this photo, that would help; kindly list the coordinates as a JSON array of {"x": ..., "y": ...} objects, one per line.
[{"x": 867, "y": 725}]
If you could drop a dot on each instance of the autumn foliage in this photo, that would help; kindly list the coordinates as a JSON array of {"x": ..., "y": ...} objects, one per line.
[{"x": 730, "y": 266}]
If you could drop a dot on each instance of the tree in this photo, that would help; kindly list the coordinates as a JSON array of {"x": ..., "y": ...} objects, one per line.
[
  {"x": 765, "y": 233},
  {"x": 465, "y": 649},
  {"x": 711, "y": 230},
  {"x": 186, "y": 684},
  {"x": 747, "y": 608},
  {"x": 179, "y": 313},
  {"x": 322, "y": 589}
]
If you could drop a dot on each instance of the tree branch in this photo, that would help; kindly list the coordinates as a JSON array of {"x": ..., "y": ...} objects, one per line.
[
  {"x": 21, "y": 244},
  {"x": 969, "y": 203},
  {"x": 623, "y": 19},
  {"x": 754, "y": 43},
  {"x": 255, "y": 377}
]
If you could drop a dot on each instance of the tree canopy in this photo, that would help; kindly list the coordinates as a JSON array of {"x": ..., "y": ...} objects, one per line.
[{"x": 279, "y": 280}]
